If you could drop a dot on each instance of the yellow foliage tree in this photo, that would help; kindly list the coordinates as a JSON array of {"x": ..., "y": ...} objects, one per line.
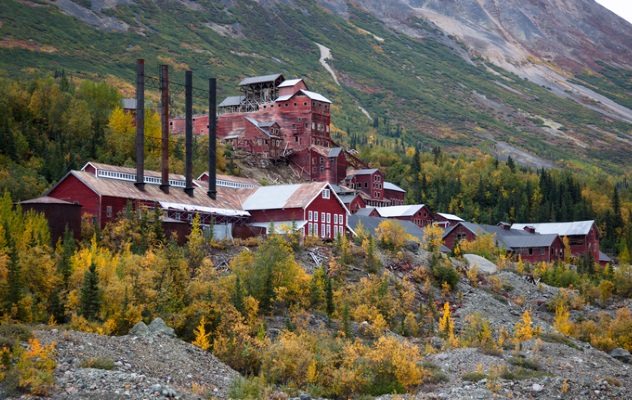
[
  {"x": 523, "y": 330},
  {"x": 433, "y": 238},
  {"x": 391, "y": 234},
  {"x": 562, "y": 319},
  {"x": 201, "y": 337},
  {"x": 36, "y": 366},
  {"x": 446, "y": 326}
]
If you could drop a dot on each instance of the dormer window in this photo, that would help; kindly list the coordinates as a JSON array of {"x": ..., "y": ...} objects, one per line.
[{"x": 326, "y": 194}]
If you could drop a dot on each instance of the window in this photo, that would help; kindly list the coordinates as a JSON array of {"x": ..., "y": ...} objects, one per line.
[
  {"x": 294, "y": 104},
  {"x": 108, "y": 211},
  {"x": 309, "y": 215},
  {"x": 460, "y": 237},
  {"x": 329, "y": 218},
  {"x": 310, "y": 229},
  {"x": 530, "y": 251},
  {"x": 336, "y": 219},
  {"x": 328, "y": 230},
  {"x": 322, "y": 230},
  {"x": 322, "y": 217},
  {"x": 341, "y": 221},
  {"x": 315, "y": 216},
  {"x": 335, "y": 231},
  {"x": 326, "y": 194}
]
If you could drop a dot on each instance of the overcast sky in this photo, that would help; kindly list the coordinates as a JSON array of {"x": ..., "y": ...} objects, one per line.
[{"x": 621, "y": 7}]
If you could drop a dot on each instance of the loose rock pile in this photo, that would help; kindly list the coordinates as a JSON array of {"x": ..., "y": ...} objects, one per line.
[{"x": 148, "y": 363}]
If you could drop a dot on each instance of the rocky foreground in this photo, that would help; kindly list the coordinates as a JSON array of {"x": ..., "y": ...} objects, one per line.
[{"x": 148, "y": 363}]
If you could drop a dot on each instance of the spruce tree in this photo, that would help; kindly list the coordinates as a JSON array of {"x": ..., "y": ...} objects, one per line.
[
  {"x": 238, "y": 296},
  {"x": 90, "y": 294},
  {"x": 329, "y": 295}
]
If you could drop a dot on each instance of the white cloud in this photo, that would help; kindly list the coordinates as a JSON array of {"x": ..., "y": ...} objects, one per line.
[{"x": 623, "y": 8}]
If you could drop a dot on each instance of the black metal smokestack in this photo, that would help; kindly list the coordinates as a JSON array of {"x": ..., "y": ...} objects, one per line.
[
  {"x": 164, "y": 116},
  {"x": 188, "y": 138},
  {"x": 140, "y": 123},
  {"x": 212, "y": 136}
]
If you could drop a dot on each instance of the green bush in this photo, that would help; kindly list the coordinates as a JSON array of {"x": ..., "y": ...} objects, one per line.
[{"x": 98, "y": 363}]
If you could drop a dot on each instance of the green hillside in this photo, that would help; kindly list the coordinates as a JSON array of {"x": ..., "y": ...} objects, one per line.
[{"x": 436, "y": 96}]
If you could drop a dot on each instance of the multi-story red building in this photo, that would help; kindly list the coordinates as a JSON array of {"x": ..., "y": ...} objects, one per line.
[
  {"x": 369, "y": 181},
  {"x": 394, "y": 193},
  {"x": 583, "y": 236}
]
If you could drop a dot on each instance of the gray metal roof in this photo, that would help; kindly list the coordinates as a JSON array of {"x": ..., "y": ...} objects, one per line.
[
  {"x": 526, "y": 241},
  {"x": 370, "y": 223},
  {"x": 290, "y": 82},
  {"x": 603, "y": 257},
  {"x": 400, "y": 211},
  {"x": 508, "y": 238},
  {"x": 260, "y": 79},
  {"x": 392, "y": 186},
  {"x": 312, "y": 95},
  {"x": 451, "y": 217},
  {"x": 365, "y": 211},
  {"x": 128, "y": 104},
  {"x": 231, "y": 101},
  {"x": 47, "y": 200},
  {"x": 365, "y": 171},
  {"x": 335, "y": 151},
  {"x": 560, "y": 228}
]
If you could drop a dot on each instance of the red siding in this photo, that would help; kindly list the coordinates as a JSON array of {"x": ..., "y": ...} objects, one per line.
[
  {"x": 290, "y": 214},
  {"x": 73, "y": 190},
  {"x": 395, "y": 196},
  {"x": 371, "y": 184},
  {"x": 421, "y": 218},
  {"x": 330, "y": 207},
  {"x": 356, "y": 204},
  {"x": 539, "y": 254},
  {"x": 452, "y": 238}
]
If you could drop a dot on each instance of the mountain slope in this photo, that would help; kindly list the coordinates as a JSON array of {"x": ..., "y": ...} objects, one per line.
[{"x": 398, "y": 60}]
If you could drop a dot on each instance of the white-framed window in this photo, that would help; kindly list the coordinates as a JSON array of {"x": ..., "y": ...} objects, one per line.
[
  {"x": 329, "y": 218},
  {"x": 108, "y": 211},
  {"x": 310, "y": 229},
  {"x": 326, "y": 194},
  {"x": 309, "y": 216},
  {"x": 315, "y": 216},
  {"x": 328, "y": 230},
  {"x": 322, "y": 230},
  {"x": 335, "y": 231},
  {"x": 341, "y": 221},
  {"x": 322, "y": 217},
  {"x": 336, "y": 219}
]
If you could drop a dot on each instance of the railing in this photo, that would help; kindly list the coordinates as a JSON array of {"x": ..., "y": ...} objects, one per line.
[{"x": 125, "y": 176}]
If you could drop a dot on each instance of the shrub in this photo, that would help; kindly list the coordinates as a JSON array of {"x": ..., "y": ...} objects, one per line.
[
  {"x": 445, "y": 273},
  {"x": 35, "y": 368},
  {"x": 391, "y": 234},
  {"x": 15, "y": 332},
  {"x": 474, "y": 376},
  {"x": 249, "y": 388},
  {"x": 98, "y": 363}
]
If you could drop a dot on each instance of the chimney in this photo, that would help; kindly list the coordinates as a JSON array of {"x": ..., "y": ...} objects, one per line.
[
  {"x": 188, "y": 139},
  {"x": 212, "y": 137},
  {"x": 529, "y": 229},
  {"x": 140, "y": 124},
  {"x": 164, "y": 116},
  {"x": 505, "y": 225}
]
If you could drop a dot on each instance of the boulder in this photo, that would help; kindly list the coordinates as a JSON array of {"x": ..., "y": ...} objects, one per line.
[
  {"x": 483, "y": 264},
  {"x": 622, "y": 355},
  {"x": 158, "y": 326},
  {"x": 411, "y": 246},
  {"x": 140, "y": 329}
]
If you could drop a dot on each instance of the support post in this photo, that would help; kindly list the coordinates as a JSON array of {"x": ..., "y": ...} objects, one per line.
[
  {"x": 212, "y": 137},
  {"x": 164, "y": 119},
  {"x": 140, "y": 124},
  {"x": 188, "y": 145}
]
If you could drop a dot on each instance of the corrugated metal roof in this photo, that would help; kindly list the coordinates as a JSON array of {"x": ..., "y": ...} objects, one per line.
[
  {"x": 604, "y": 258},
  {"x": 451, "y": 217},
  {"x": 203, "y": 209},
  {"x": 316, "y": 96},
  {"x": 260, "y": 126},
  {"x": 392, "y": 186},
  {"x": 526, "y": 241},
  {"x": 290, "y": 82},
  {"x": 365, "y": 171},
  {"x": 347, "y": 198},
  {"x": 560, "y": 228},
  {"x": 312, "y": 95},
  {"x": 231, "y": 101},
  {"x": 128, "y": 104},
  {"x": 370, "y": 223},
  {"x": 399, "y": 211},
  {"x": 47, "y": 200},
  {"x": 365, "y": 211},
  {"x": 260, "y": 79},
  {"x": 283, "y": 196},
  {"x": 227, "y": 198}
]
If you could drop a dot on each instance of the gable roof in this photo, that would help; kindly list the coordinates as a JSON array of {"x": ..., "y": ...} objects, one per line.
[
  {"x": 366, "y": 211},
  {"x": 261, "y": 125},
  {"x": 312, "y": 95},
  {"x": 560, "y": 228},
  {"x": 365, "y": 171},
  {"x": 329, "y": 152},
  {"x": 260, "y": 79},
  {"x": 278, "y": 197},
  {"x": 451, "y": 217},
  {"x": 400, "y": 211},
  {"x": 291, "y": 82},
  {"x": 392, "y": 186},
  {"x": 231, "y": 101},
  {"x": 370, "y": 223},
  {"x": 508, "y": 238},
  {"x": 47, "y": 200}
]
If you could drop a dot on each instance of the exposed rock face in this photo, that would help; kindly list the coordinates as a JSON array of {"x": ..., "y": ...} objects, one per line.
[{"x": 622, "y": 355}]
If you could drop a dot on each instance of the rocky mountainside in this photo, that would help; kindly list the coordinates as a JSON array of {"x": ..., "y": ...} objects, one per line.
[{"x": 547, "y": 82}]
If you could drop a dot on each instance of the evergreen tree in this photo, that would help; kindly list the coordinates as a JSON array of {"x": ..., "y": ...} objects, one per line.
[
  {"x": 238, "y": 296},
  {"x": 329, "y": 295},
  {"x": 511, "y": 164},
  {"x": 90, "y": 294}
]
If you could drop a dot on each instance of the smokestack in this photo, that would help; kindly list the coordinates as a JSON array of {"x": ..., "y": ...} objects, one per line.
[
  {"x": 188, "y": 144},
  {"x": 164, "y": 116},
  {"x": 212, "y": 137},
  {"x": 140, "y": 124}
]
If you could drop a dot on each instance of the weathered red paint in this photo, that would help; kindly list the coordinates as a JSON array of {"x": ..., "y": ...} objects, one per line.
[
  {"x": 72, "y": 189},
  {"x": 395, "y": 196},
  {"x": 369, "y": 183}
]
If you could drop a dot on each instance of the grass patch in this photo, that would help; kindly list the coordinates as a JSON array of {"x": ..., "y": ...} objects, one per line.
[
  {"x": 474, "y": 376},
  {"x": 98, "y": 363},
  {"x": 520, "y": 373},
  {"x": 436, "y": 375},
  {"x": 15, "y": 332},
  {"x": 525, "y": 363},
  {"x": 253, "y": 387},
  {"x": 557, "y": 338}
]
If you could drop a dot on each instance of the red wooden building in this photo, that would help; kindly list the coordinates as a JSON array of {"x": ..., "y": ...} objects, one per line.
[
  {"x": 583, "y": 236},
  {"x": 445, "y": 220},
  {"x": 314, "y": 208},
  {"x": 369, "y": 181},
  {"x": 60, "y": 214},
  {"x": 528, "y": 245},
  {"x": 394, "y": 193},
  {"x": 200, "y": 125},
  {"x": 419, "y": 214}
]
